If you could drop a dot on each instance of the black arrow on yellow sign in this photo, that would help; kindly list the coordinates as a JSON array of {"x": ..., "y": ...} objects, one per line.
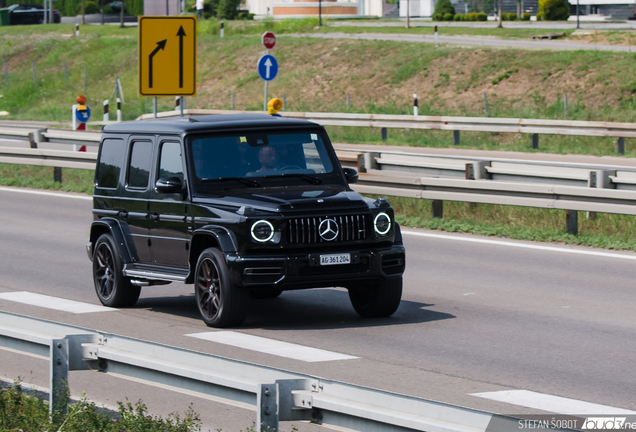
[
  {"x": 160, "y": 46},
  {"x": 181, "y": 34}
]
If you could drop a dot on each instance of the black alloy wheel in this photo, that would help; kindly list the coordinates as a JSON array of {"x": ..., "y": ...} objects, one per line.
[
  {"x": 220, "y": 303},
  {"x": 112, "y": 287}
]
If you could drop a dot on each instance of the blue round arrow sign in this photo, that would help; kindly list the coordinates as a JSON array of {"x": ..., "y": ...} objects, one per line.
[
  {"x": 83, "y": 116},
  {"x": 267, "y": 67}
]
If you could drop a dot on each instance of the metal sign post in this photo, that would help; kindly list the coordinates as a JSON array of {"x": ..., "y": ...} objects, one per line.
[{"x": 267, "y": 65}]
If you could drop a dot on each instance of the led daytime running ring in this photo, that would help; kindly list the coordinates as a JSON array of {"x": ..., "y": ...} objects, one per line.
[
  {"x": 375, "y": 223},
  {"x": 271, "y": 228}
]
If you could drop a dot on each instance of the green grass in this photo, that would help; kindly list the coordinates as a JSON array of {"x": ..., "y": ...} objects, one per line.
[
  {"x": 603, "y": 230},
  {"x": 20, "y": 412},
  {"x": 37, "y": 177}
]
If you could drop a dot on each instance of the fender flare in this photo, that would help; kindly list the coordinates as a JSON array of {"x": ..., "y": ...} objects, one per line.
[
  {"x": 398, "y": 235},
  {"x": 114, "y": 228},
  {"x": 225, "y": 239}
]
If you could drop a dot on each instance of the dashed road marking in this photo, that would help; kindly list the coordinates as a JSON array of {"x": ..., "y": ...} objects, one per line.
[
  {"x": 56, "y": 303},
  {"x": 271, "y": 346},
  {"x": 551, "y": 403}
]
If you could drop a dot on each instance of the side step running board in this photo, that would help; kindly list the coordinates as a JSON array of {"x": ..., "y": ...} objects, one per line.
[{"x": 145, "y": 275}]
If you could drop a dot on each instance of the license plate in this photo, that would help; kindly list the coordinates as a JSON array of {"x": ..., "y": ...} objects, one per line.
[{"x": 335, "y": 259}]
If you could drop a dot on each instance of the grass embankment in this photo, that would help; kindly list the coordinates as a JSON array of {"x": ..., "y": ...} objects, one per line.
[
  {"x": 380, "y": 76},
  {"x": 20, "y": 412}
]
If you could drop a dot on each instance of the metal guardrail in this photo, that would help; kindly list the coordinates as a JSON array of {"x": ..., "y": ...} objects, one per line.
[
  {"x": 534, "y": 127},
  {"x": 276, "y": 395},
  {"x": 571, "y": 187},
  {"x": 53, "y": 158}
]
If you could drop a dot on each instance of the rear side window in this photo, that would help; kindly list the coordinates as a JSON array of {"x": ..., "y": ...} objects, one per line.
[
  {"x": 110, "y": 161},
  {"x": 170, "y": 164},
  {"x": 139, "y": 168}
]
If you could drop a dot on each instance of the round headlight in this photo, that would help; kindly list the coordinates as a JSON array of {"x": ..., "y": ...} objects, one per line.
[
  {"x": 382, "y": 223},
  {"x": 262, "y": 231}
]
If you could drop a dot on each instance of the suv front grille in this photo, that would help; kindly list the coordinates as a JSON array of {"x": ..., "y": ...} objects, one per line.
[{"x": 305, "y": 230}]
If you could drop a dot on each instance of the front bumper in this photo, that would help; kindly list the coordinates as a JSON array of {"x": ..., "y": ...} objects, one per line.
[{"x": 299, "y": 271}]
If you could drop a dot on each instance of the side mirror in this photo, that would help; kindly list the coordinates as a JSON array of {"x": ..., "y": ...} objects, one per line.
[
  {"x": 169, "y": 185},
  {"x": 351, "y": 175}
]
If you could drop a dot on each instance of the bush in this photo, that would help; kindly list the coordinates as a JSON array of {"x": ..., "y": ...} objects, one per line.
[
  {"x": 482, "y": 16},
  {"x": 438, "y": 17},
  {"x": 444, "y": 7},
  {"x": 540, "y": 16},
  {"x": 458, "y": 17},
  {"x": 448, "y": 17},
  {"x": 227, "y": 9},
  {"x": 554, "y": 10},
  {"x": 512, "y": 17},
  {"x": 505, "y": 16},
  {"x": 526, "y": 16},
  {"x": 245, "y": 16},
  {"x": 90, "y": 7},
  {"x": 108, "y": 10}
]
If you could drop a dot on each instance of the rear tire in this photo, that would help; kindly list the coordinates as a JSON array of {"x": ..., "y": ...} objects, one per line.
[
  {"x": 220, "y": 303},
  {"x": 379, "y": 299},
  {"x": 112, "y": 287}
]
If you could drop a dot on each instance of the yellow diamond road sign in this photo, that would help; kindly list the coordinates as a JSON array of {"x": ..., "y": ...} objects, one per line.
[{"x": 167, "y": 56}]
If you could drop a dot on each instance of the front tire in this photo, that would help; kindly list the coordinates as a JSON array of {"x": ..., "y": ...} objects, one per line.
[
  {"x": 220, "y": 303},
  {"x": 112, "y": 287},
  {"x": 375, "y": 300}
]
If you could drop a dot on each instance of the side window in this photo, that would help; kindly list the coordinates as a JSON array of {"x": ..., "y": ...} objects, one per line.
[
  {"x": 170, "y": 164},
  {"x": 139, "y": 165},
  {"x": 110, "y": 161}
]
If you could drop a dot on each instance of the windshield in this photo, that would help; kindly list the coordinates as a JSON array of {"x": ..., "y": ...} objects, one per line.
[{"x": 255, "y": 159}]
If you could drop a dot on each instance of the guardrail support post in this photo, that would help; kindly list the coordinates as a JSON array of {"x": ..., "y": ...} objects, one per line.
[
  {"x": 32, "y": 141},
  {"x": 58, "y": 388},
  {"x": 620, "y": 145},
  {"x": 535, "y": 141},
  {"x": 267, "y": 408},
  {"x": 370, "y": 163},
  {"x": 477, "y": 170},
  {"x": 438, "y": 209},
  {"x": 384, "y": 134},
  {"x": 456, "y": 137},
  {"x": 57, "y": 174},
  {"x": 572, "y": 221}
]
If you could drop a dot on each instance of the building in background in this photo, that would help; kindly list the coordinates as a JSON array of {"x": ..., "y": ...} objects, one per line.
[
  {"x": 158, "y": 7},
  {"x": 330, "y": 8},
  {"x": 425, "y": 8}
]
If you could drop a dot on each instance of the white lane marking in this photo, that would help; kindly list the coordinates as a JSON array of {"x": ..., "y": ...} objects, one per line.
[
  {"x": 54, "y": 194},
  {"x": 271, "y": 346},
  {"x": 522, "y": 245},
  {"x": 56, "y": 303},
  {"x": 550, "y": 403}
]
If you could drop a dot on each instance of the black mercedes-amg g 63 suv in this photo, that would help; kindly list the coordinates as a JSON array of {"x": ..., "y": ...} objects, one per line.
[{"x": 241, "y": 206}]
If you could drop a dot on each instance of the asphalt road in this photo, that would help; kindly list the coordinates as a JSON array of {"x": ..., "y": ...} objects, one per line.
[{"x": 478, "y": 315}]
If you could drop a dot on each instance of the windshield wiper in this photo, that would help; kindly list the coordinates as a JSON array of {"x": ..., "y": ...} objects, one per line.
[
  {"x": 242, "y": 180},
  {"x": 306, "y": 177}
]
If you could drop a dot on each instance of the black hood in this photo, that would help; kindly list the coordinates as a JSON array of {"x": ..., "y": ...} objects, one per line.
[{"x": 290, "y": 200}]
